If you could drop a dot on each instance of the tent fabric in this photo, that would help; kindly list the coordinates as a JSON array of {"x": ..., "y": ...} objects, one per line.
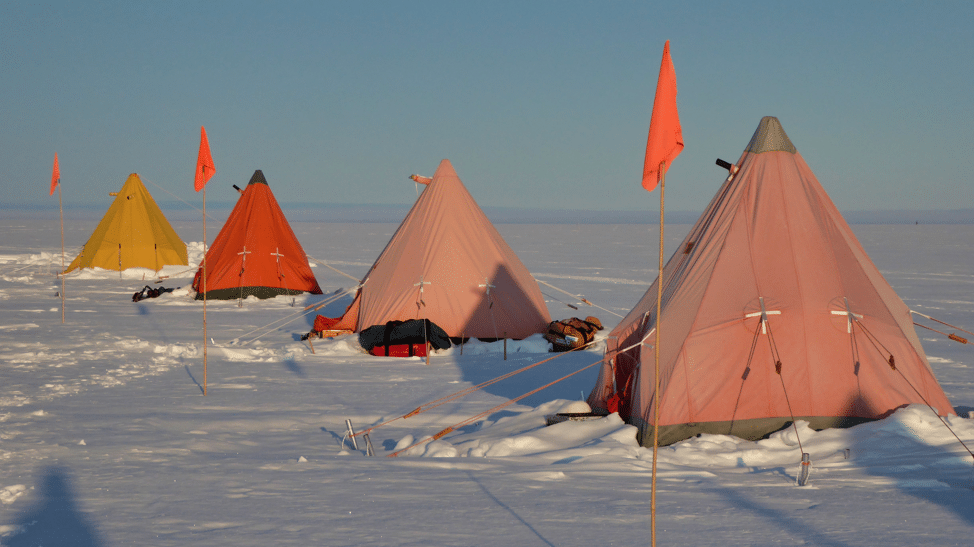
[
  {"x": 447, "y": 263},
  {"x": 256, "y": 253},
  {"x": 133, "y": 234},
  {"x": 769, "y": 274}
]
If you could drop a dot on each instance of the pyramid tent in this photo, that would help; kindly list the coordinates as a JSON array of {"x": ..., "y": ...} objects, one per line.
[
  {"x": 447, "y": 263},
  {"x": 133, "y": 234},
  {"x": 769, "y": 278},
  {"x": 256, "y": 253}
]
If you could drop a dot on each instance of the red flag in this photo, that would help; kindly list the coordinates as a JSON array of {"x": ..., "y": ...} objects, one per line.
[
  {"x": 665, "y": 135},
  {"x": 204, "y": 163},
  {"x": 55, "y": 175}
]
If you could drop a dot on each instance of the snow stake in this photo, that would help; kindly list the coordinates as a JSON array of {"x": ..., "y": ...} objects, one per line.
[
  {"x": 369, "y": 451},
  {"x": 805, "y": 469},
  {"x": 351, "y": 433}
]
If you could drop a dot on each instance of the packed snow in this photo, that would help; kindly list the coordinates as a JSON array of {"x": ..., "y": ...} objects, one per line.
[{"x": 107, "y": 439}]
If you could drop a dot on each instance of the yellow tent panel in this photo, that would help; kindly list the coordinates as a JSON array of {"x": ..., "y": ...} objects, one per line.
[{"x": 133, "y": 234}]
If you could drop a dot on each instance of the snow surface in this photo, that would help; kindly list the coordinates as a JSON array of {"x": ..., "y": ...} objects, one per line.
[{"x": 106, "y": 438}]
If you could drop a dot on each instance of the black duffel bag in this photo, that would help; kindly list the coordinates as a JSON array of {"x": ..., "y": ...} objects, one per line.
[{"x": 414, "y": 331}]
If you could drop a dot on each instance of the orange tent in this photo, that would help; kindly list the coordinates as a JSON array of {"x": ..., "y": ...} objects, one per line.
[
  {"x": 447, "y": 263},
  {"x": 256, "y": 252},
  {"x": 771, "y": 311}
]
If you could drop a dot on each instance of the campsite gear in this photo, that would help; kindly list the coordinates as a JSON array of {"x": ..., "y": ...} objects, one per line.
[
  {"x": 400, "y": 350},
  {"x": 322, "y": 328},
  {"x": 572, "y": 333},
  {"x": 133, "y": 234},
  {"x": 769, "y": 299},
  {"x": 256, "y": 253},
  {"x": 150, "y": 292},
  {"x": 448, "y": 263},
  {"x": 404, "y": 333}
]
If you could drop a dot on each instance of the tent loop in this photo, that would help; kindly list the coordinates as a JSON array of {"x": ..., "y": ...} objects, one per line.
[
  {"x": 280, "y": 273},
  {"x": 763, "y": 314},
  {"x": 422, "y": 285},
  {"x": 243, "y": 267}
]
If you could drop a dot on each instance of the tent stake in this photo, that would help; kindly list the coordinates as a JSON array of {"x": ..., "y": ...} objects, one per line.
[
  {"x": 351, "y": 433},
  {"x": 369, "y": 451},
  {"x": 804, "y": 470}
]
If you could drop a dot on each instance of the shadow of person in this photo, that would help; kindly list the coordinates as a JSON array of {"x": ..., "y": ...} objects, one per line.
[{"x": 55, "y": 518}]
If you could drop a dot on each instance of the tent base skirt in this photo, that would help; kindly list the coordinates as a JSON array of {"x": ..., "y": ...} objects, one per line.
[
  {"x": 259, "y": 292},
  {"x": 751, "y": 430}
]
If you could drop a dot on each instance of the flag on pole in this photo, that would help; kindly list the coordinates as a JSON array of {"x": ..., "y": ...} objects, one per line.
[
  {"x": 665, "y": 135},
  {"x": 204, "y": 163},
  {"x": 55, "y": 175}
]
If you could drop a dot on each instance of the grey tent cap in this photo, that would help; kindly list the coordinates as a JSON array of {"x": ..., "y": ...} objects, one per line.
[
  {"x": 770, "y": 137},
  {"x": 258, "y": 178}
]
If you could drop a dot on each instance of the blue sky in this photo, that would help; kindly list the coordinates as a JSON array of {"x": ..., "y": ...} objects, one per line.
[{"x": 537, "y": 104}]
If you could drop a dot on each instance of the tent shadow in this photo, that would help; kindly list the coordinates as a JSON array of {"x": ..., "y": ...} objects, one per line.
[
  {"x": 55, "y": 519},
  {"x": 505, "y": 310},
  {"x": 936, "y": 481},
  {"x": 477, "y": 367}
]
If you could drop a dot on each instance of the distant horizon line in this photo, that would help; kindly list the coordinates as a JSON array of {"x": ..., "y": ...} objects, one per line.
[{"x": 394, "y": 213}]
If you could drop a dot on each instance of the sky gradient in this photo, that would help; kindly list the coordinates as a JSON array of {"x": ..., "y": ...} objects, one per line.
[{"x": 536, "y": 104}]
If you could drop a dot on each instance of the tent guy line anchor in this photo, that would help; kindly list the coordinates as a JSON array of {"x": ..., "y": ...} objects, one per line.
[
  {"x": 243, "y": 267},
  {"x": 422, "y": 285}
]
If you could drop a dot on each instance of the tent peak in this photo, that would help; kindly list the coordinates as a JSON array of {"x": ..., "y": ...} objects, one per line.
[
  {"x": 258, "y": 178},
  {"x": 445, "y": 169},
  {"x": 770, "y": 137}
]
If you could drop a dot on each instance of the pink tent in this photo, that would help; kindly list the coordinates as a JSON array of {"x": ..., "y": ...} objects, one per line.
[
  {"x": 447, "y": 263},
  {"x": 770, "y": 278}
]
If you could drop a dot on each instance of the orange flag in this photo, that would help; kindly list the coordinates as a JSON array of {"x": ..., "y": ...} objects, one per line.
[
  {"x": 665, "y": 135},
  {"x": 55, "y": 175},
  {"x": 204, "y": 163}
]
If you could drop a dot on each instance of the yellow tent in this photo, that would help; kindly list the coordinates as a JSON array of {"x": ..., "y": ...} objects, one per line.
[{"x": 133, "y": 234}]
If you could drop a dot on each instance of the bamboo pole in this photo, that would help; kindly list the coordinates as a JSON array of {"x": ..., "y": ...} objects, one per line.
[
  {"x": 204, "y": 291},
  {"x": 659, "y": 306},
  {"x": 61, "y": 208}
]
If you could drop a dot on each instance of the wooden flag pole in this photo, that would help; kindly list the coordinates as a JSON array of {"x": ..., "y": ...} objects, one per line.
[
  {"x": 204, "y": 291},
  {"x": 61, "y": 208},
  {"x": 659, "y": 305}
]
